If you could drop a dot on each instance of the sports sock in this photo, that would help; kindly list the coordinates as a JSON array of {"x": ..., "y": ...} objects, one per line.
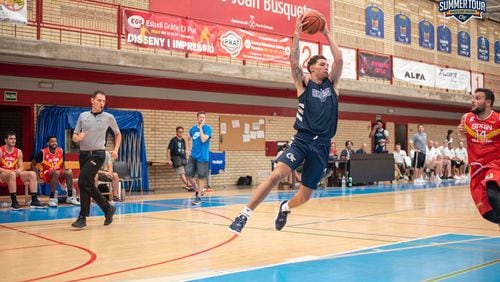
[
  {"x": 493, "y": 193},
  {"x": 70, "y": 193},
  {"x": 285, "y": 207},
  {"x": 13, "y": 197},
  {"x": 246, "y": 212},
  {"x": 33, "y": 197},
  {"x": 51, "y": 195}
]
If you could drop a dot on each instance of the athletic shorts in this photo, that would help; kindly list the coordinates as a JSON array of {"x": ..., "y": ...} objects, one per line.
[
  {"x": 45, "y": 176},
  {"x": 309, "y": 152},
  {"x": 455, "y": 163},
  {"x": 197, "y": 168},
  {"x": 104, "y": 177},
  {"x": 489, "y": 172},
  {"x": 180, "y": 170},
  {"x": 419, "y": 160}
]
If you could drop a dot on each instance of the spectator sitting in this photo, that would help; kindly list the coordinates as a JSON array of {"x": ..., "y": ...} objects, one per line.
[
  {"x": 363, "y": 150},
  {"x": 333, "y": 152},
  {"x": 400, "y": 167},
  {"x": 445, "y": 159},
  {"x": 106, "y": 174},
  {"x": 346, "y": 155},
  {"x": 433, "y": 160},
  {"x": 461, "y": 160}
]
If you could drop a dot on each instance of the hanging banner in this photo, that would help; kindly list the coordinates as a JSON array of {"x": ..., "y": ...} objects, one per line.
[
  {"x": 483, "y": 49},
  {"x": 402, "y": 25},
  {"x": 426, "y": 34},
  {"x": 376, "y": 66},
  {"x": 452, "y": 79},
  {"x": 477, "y": 80},
  {"x": 374, "y": 21},
  {"x": 444, "y": 39},
  {"x": 413, "y": 72},
  {"x": 149, "y": 30},
  {"x": 268, "y": 16},
  {"x": 463, "y": 43},
  {"x": 349, "y": 58},
  {"x": 497, "y": 52},
  {"x": 15, "y": 12}
]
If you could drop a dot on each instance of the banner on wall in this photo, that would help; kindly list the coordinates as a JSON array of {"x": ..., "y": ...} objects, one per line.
[
  {"x": 497, "y": 52},
  {"x": 349, "y": 58},
  {"x": 413, "y": 72},
  {"x": 376, "y": 66},
  {"x": 268, "y": 16},
  {"x": 463, "y": 43},
  {"x": 443, "y": 39},
  {"x": 452, "y": 79},
  {"x": 402, "y": 25},
  {"x": 374, "y": 21},
  {"x": 426, "y": 34},
  {"x": 148, "y": 30},
  {"x": 477, "y": 80},
  {"x": 15, "y": 12},
  {"x": 483, "y": 49}
]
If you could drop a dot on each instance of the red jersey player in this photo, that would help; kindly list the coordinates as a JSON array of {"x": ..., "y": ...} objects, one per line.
[{"x": 481, "y": 127}]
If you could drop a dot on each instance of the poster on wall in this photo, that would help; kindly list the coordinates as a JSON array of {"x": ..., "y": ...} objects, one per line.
[
  {"x": 463, "y": 43},
  {"x": 15, "y": 12},
  {"x": 455, "y": 79},
  {"x": 443, "y": 39},
  {"x": 426, "y": 34},
  {"x": 477, "y": 80},
  {"x": 402, "y": 25},
  {"x": 374, "y": 21},
  {"x": 413, "y": 72},
  {"x": 349, "y": 58},
  {"x": 497, "y": 52},
  {"x": 483, "y": 49},
  {"x": 376, "y": 66},
  {"x": 276, "y": 17}
]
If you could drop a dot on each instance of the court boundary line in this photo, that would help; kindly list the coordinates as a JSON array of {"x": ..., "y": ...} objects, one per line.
[{"x": 464, "y": 270}]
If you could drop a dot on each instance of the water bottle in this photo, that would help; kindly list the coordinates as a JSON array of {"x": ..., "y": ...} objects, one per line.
[
  {"x": 343, "y": 181},
  {"x": 349, "y": 183}
]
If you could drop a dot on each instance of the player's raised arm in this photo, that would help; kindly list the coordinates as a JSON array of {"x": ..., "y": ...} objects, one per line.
[
  {"x": 297, "y": 73},
  {"x": 338, "y": 61}
]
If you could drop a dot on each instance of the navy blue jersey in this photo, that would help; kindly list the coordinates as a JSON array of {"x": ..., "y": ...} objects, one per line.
[{"x": 318, "y": 109}]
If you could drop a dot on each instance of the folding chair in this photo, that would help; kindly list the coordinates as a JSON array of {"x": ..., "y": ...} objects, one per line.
[{"x": 125, "y": 177}]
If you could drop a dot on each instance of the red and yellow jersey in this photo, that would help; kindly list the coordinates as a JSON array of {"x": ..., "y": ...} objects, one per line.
[
  {"x": 9, "y": 160},
  {"x": 483, "y": 139},
  {"x": 52, "y": 161}
]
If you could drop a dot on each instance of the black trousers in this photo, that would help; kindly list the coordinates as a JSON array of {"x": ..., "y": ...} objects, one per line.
[{"x": 90, "y": 163}]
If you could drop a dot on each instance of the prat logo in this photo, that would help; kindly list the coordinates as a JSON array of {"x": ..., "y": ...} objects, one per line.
[
  {"x": 231, "y": 43},
  {"x": 462, "y": 10}
]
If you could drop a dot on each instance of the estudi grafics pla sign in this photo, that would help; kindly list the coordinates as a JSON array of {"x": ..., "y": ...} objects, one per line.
[{"x": 462, "y": 10}]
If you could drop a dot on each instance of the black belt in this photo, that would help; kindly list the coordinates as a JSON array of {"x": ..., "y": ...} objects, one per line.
[{"x": 91, "y": 152}]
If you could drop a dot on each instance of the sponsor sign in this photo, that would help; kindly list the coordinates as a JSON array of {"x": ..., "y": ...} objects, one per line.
[
  {"x": 452, "y": 79},
  {"x": 477, "y": 80},
  {"x": 374, "y": 21},
  {"x": 426, "y": 34},
  {"x": 444, "y": 39},
  {"x": 483, "y": 49},
  {"x": 462, "y": 10},
  {"x": 268, "y": 16},
  {"x": 14, "y": 11},
  {"x": 376, "y": 66},
  {"x": 402, "y": 24},
  {"x": 463, "y": 43},
  {"x": 349, "y": 58},
  {"x": 413, "y": 72}
]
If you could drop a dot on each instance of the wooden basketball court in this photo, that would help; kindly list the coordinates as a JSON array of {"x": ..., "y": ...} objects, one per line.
[{"x": 360, "y": 233}]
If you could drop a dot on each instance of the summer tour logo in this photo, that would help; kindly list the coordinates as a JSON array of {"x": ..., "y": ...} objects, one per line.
[{"x": 462, "y": 10}]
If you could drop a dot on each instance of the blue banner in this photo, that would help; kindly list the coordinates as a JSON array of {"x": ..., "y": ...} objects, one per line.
[
  {"x": 463, "y": 43},
  {"x": 444, "y": 39},
  {"x": 374, "y": 21},
  {"x": 426, "y": 34},
  {"x": 497, "y": 52},
  {"x": 483, "y": 49},
  {"x": 403, "y": 28}
]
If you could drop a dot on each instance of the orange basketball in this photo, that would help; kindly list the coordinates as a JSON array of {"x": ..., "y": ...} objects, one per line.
[{"x": 313, "y": 22}]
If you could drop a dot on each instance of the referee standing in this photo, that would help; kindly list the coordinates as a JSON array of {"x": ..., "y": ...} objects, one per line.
[{"x": 90, "y": 131}]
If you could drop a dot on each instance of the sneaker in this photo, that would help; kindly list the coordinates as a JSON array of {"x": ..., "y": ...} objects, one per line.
[
  {"x": 37, "y": 205},
  {"x": 53, "y": 202},
  {"x": 73, "y": 201},
  {"x": 196, "y": 201},
  {"x": 238, "y": 224},
  {"x": 116, "y": 199},
  {"x": 80, "y": 222},
  {"x": 208, "y": 189},
  {"x": 189, "y": 188},
  {"x": 109, "y": 215},
  {"x": 15, "y": 206},
  {"x": 281, "y": 217}
]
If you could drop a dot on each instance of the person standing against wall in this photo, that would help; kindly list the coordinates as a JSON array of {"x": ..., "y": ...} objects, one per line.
[
  {"x": 176, "y": 156},
  {"x": 90, "y": 131}
]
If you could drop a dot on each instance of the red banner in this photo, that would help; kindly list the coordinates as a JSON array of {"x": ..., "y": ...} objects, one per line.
[
  {"x": 270, "y": 16},
  {"x": 377, "y": 66},
  {"x": 173, "y": 33}
]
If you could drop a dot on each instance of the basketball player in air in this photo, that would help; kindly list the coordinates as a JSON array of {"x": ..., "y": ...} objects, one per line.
[
  {"x": 481, "y": 127},
  {"x": 316, "y": 124}
]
